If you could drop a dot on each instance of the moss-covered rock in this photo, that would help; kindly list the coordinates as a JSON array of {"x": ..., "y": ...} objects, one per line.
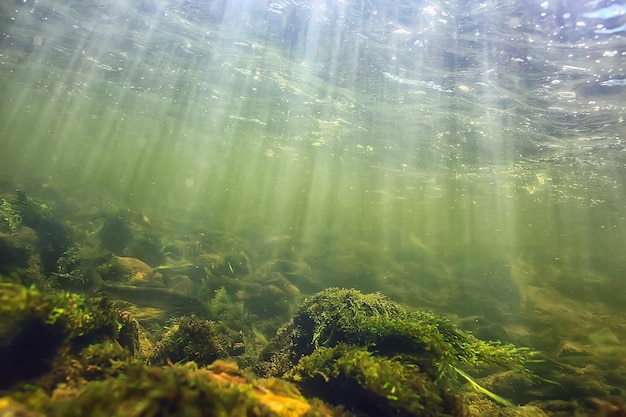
[
  {"x": 35, "y": 327},
  {"x": 177, "y": 390},
  {"x": 336, "y": 316},
  {"x": 375, "y": 385},
  {"x": 94, "y": 362},
  {"x": 74, "y": 267},
  {"x": 54, "y": 233},
  {"x": 198, "y": 340},
  {"x": 32, "y": 238},
  {"x": 19, "y": 255},
  {"x": 393, "y": 360},
  {"x": 128, "y": 233}
]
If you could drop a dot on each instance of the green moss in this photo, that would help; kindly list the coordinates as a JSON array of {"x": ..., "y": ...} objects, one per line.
[
  {"x": 434, "y": 343},
  {"x": 10, "y": 213},
  {"x": 198, "y": 340},
  {"x": 36, "y": 326},
  {"x": 374, "y": 385},
  {"x": 94, "y": 362},
  {"x": 55, "y": 234},
  {"x": 336, "y": 316},
  {"x": 75, "y": 265},
  {"x": 102, "y": 360},
  {"x": 393, "y": 359},
  {"x": 150, "y": 391}
]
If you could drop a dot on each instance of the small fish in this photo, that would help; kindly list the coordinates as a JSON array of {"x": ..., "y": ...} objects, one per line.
[{"x": 160, "y": 298}]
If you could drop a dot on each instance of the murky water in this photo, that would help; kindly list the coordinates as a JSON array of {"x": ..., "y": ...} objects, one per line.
[{"x": 465, "y": 157}]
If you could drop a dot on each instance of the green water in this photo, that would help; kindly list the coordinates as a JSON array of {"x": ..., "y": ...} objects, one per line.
[{"x": 481, "y": 176}]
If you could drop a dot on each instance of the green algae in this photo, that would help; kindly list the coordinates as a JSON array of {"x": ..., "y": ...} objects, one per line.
[
  {"x": 358, "y": 379},
  {"x": 343, "y": 344},
  {"x": 154, "y": 391},
  {"x": 198, "y": 340},
  {"x": 337, "y": 315},
  {"x": 36, "y": 327}
]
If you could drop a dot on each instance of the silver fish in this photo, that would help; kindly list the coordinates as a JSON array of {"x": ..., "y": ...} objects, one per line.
[{"x": 160, "y": 298}]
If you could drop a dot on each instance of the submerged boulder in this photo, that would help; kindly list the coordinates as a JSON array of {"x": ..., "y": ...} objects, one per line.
[
  {"x": 37, "y": 328},
  {"x": 343, "y": 345}
]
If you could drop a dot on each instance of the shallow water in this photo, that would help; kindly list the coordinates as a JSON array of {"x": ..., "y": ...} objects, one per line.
[{"x": 464, "y": 157}]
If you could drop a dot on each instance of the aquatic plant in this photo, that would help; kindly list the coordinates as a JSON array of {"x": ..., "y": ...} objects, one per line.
[
  {"x": 76, "y": 263},
  {"x": 35, "y": 327},
  {"x": 336, "y": 316},
  {"x": 181, "y": 390},
  {"x": 198, "y": 340},
  {"x": 55, "y": 235},
  {"x": 357, "y": 378},
  {"x": 10, "y": 213},
  {"x": 225, "y": 309},
  {"x": 342, "y": 334},
  {"x": 127, "y": 233}
]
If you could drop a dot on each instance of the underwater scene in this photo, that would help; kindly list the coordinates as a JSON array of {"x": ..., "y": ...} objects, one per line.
[{"x": 355, "y": 208}]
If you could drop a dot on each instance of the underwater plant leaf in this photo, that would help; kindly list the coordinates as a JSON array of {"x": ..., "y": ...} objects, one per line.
[{"x": 483, "y": 390}]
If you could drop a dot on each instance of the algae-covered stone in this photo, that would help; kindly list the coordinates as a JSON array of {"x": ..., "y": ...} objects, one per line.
[
  {"x": 198, "y": 340},
  {"x": 35, "y": 326},
  {"x": 373, "y": 355},
  {"x": 336, "y": 316},
  {"x": 358, "y": 379},
  {"x": 55, "y": 234}
]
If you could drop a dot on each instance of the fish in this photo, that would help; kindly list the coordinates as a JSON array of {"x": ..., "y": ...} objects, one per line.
[{"x": 160, "y": 298}]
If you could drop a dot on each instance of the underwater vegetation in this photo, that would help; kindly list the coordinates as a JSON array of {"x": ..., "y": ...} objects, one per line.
[
  {"x": 358, "y": 379},
  {"x": 54, "y": 236},
  {"x": 198, "y": 340},
  {"x": 358, "y": 351},
  {"x": 358, "y": 354},
  {"x": 38, "y": 328},
  {"x": 233, "y": 334},
  {"x": 177, "y": 390},
  {"x": 61, "y": 356},
  {"x": 384, "y": 359}
]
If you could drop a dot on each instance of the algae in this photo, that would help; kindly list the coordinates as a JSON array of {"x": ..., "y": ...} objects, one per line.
[
  {"x": 374, "y": 385},
  {"x": 342, "y": 344},
  {"x": 36, "y": 327},
  {"x": 363, "y": 353},
  {"x": 198, "y": 340}
]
